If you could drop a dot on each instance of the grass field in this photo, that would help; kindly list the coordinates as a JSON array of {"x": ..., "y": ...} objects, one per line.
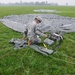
[{"x": 28, "y": 62}]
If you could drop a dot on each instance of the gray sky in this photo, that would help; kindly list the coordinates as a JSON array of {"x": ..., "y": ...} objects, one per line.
[{"x": 60, "y": 2}]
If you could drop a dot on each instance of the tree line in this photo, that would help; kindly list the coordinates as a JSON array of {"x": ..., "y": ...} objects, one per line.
[{"x": 29, "y": 3}]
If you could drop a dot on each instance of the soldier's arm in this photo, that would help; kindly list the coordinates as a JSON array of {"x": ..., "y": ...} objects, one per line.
[{"x": 40, "y": 33}]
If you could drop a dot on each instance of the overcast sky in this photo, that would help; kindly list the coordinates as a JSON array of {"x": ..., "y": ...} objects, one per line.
[{"x": 61, "y": 2}]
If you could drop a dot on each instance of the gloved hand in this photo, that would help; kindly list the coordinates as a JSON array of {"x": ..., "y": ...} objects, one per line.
[
  {"x": 46, "y": 36},
  {"x": 24, "y": 38},
  {"x": 29, "y": 42}
]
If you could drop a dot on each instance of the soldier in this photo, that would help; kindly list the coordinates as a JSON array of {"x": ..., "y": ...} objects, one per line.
[{"x": 31, "y": 31}]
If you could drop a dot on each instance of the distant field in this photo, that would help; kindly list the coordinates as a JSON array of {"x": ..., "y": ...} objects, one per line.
[
  {"x": 65, "y": 11},
  {"x": 28, "y": 62}
]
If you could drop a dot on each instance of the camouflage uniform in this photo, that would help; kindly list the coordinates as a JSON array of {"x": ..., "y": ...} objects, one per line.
[{"x": 31, "y": 31}]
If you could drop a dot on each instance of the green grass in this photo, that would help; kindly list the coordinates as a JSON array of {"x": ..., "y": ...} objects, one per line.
[
  {"x": 28, "y": 62},
  {"x": 65, "y": 10}
]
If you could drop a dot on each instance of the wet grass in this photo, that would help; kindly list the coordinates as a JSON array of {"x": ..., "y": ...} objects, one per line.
[{"x": 28, "y": 62}]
